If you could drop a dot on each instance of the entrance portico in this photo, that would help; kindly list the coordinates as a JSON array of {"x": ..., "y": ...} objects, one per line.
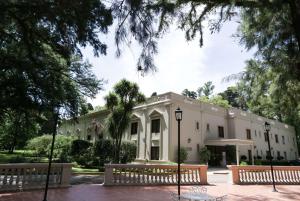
[{"x": 235, "y": 142}]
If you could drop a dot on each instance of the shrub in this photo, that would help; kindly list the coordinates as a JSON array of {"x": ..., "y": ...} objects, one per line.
[
  {"x": 258, "y": 162},
  {"x": 17, "y": 159},
  {"x": 87, "y": 158},
  {"x": 183, "y": 155},
  {"x": 78, "y": 147},
  {"x": 128, "y": 152},
  {"x": 243, "y": 158},
  {"x": 204, "y": 155},
  {"x": 103, "y": 150},
  {"x": 42, "y": 146},
  {"x": 243, "y": 163},
  {"x": 280, "y": 158}
]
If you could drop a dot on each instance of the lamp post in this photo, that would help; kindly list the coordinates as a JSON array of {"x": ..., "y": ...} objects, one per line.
[
  {"x": 268, "y": 128},
  {"x": 55, "y": 120},
  {"x": 178, "y": 115}
]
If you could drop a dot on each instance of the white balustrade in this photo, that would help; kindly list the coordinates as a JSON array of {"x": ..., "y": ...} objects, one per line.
[
  {"x": 140, "y": 174},
  {"x": 262, "y": 174},
  {"x": 22, "y": 176}
]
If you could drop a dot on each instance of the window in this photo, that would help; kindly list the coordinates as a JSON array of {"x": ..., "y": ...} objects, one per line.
[
  {"x": 278, "y": 154},
  {"x": 276, "y": 138},
  {"x": 154, "y": 153},
  {"x": 197, "y": 125},
  {"x": 221, "y": 131},
  {"x": 134, "y": 128},
  {"x": 198, "y": 148},
  {"x": 255, "y": 133},
  {"x": 248, "y": 132},
  {"x": 283, "y": 140},
  {"x": 285, "y": 155},
  {"x": 155, "y": 126},
  {"x": 266, "y": 136},
  {"x": 89, "y": 137},
  {"x": 207, "y": 127},
  {"x": 259, "y": 133}
]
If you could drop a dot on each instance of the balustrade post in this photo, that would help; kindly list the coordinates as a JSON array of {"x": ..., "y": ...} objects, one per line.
[
  {"x": 65, "y": 175},
  {"x": 203, "y": 175},
  {"x": 108, "y": 175},
  {"x": 235, "y": 174}
]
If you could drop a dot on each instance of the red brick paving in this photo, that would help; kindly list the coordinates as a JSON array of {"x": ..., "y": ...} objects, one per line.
[{"x": 95, "y": 192}]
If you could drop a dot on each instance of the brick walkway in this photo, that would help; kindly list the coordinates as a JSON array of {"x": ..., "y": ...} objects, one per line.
[{"x": 95, "y": 192}]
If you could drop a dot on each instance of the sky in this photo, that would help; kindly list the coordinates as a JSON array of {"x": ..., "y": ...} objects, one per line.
[{"x": 180, "y": 64}]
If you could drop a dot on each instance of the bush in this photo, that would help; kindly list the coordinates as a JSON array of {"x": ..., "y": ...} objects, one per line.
[
  {"x": 78, "y": 147},
  {"x": 17, "y": 159},
  {"x": 257, "y": 162},
  {"x": 243, "y": 163},
  {"x": 87, "y": 158},
  {"x": 243, "y": 158},
  {"x": 183, "y": 155},
  {"x": 204, "y": 155},
  {"x": 128, "y": 152},
  {"x": 39, "y": 144},
  {"x": 280, "y": 158},
  {"x": 42, "y": 146},
  {"x": 104, "y": 151}
]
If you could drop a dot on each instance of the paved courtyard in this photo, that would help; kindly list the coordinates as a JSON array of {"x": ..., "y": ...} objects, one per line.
[{"x": 97, "y": 192}]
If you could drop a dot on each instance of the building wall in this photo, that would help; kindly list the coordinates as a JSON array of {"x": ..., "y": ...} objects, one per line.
[{"x": 193, "y": 137}]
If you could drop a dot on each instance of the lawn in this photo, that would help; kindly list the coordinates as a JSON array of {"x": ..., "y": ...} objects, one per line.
[
  {"x": 80, "y": 170},
  {"x": 20, "y": 156}
]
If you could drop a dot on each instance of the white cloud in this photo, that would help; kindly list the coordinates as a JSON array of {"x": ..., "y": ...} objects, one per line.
[{"x": 181, "y": 64}]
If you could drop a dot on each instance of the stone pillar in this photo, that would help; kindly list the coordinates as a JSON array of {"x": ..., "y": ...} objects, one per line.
[
  {"x": 237, "y": 154},
  {"x": 66, "y": 174}
]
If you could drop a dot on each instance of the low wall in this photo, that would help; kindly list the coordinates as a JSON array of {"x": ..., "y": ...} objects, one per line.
[
  {"x": 22, "y": 176},
  {"x": 262, "y": 174},
  {"x": 140, "y": 174}
]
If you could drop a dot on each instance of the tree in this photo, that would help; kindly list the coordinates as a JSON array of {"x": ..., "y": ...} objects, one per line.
[
  {"x": 234, "y": 97},
  {"x": 16, "y": 129},
  {"x": 190, "y": 94},
  {"x": 215, "y": 100},
  {"x": 120, "y": 103},
  {"x": 206, "y": 90}
]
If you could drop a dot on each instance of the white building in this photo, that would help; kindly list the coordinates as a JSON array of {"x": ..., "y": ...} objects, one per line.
[{"x": 228, "y": 133}]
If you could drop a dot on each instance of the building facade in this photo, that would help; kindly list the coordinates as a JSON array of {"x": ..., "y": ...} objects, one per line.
[{"x": 228, "y": 133}]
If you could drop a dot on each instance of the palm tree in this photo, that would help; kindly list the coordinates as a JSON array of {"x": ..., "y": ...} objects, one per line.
[{"x": 120, "y": 103}]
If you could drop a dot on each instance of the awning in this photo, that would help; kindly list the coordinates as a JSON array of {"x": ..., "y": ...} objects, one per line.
[{"x": 224, "y": 142}]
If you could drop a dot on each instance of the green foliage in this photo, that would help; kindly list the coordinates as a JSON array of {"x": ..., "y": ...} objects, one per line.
[
  {"x": 243, "y": 163},
  {"x": 128, "y": 152},
  {"x": 183, "y": 155},
  {"x": 215, "y": 100},
  {"x": 120, "y": 103},
  {"x": 243, "y": 158},
  {"x": 16, "y": 129},
  {"x": 78, "y": 147},
  {"x": 206, "y": 90},
  {"x": 204, "y": 155},
  {"x": 42, "y": 146},
  {"x": 190, "y": 94},
  {"x": 104, "y": 151}
]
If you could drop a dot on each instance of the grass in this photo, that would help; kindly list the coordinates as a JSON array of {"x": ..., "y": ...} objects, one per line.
[
  {"x": 20, "y": 156},
  {"x": 80, "y": 170}
]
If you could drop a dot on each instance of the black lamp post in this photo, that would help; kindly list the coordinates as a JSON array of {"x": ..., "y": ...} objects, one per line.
[
  {"x": 268, "y": 128},
  {"x": 178, "y": 115},
  {"x": 55, "y": 120}
]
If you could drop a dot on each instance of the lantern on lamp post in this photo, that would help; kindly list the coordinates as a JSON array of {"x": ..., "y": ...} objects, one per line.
[
  {"x": 178, "y": 116},
  {"x": 267, "y": 129}
]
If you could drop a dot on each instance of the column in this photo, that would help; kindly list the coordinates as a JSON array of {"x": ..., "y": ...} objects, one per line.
[
  {"x": 252, "y": 154},
  {"x": 237, "y": 154}
]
